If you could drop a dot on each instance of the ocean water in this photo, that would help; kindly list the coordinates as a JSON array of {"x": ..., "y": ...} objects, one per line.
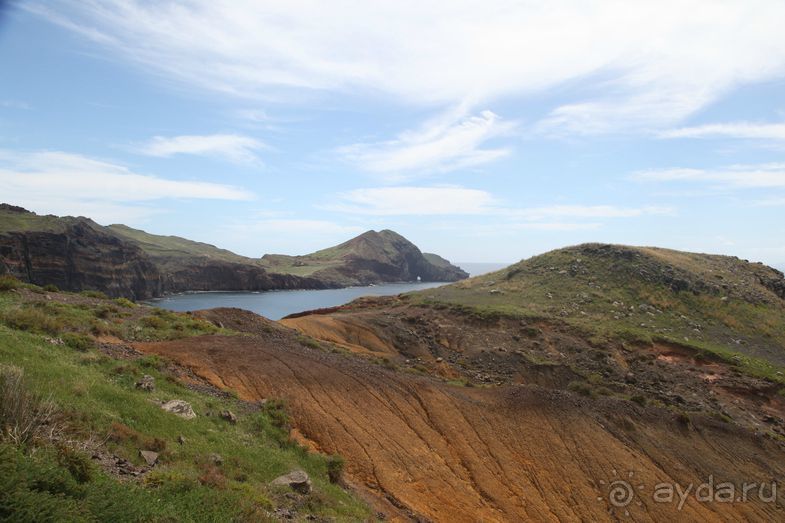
[
  {"x": 277, "y": 304},
  {"x": 476, "y": 269}
]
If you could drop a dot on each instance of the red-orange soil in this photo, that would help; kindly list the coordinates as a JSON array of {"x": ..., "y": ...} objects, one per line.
[{"x": 426, "y": 449}]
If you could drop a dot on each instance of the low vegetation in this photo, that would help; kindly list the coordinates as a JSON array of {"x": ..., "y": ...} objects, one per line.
[
  {"x": 74, "y": 423},
  {"x": 717, "y": 305}
]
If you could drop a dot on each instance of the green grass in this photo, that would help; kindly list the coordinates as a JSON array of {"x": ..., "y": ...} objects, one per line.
[
  {"x": 176, "y": 247},
  {"x": 633, "y": 301},
  {"x": 98, "y": 397}
]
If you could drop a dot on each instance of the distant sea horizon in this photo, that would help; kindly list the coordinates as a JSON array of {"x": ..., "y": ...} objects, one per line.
[{"x": 479, "y": 268}]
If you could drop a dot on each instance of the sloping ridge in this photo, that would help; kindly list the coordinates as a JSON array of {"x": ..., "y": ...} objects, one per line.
[
  {"x": 372, "y": 257},
  {"x": 429, "y": 450},
  {"x": 78, "y": 254}
]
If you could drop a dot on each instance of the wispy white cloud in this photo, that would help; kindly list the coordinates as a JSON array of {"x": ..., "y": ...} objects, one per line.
[
  {"x": 460, "y": 201},
  {"x": 422, "y": 201},
  {"x": 64, "y": 183},
  {"x": 232, "y": 147},
  {"x": 646, "y": 64},
  {"x": 765, "y": 131},
  {"x": 588, "y": 211},
  {"x": 759, "y": 176},
  {"x": 14, "y": 104},
  {"x": 452, "y": 141}
]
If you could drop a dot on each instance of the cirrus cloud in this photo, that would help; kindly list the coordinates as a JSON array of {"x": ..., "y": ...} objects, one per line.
[
  {"x": 645, "y": 63},
  {"x": 66, "y": 183},
  {"x": 450, "y": 142},
  {"x": 232, "y": 147}
]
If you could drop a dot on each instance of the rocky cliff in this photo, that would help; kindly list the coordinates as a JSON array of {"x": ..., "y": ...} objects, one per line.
[
  {"x": 370, "y": 258},
  {"x": 78, "y": 254}
]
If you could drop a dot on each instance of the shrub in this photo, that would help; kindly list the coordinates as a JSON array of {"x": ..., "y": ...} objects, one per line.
[
  {"x": 639, "y": 399},
  {"x": 95, "y": 294},
  {"x": 23, "y": 416},
  {"x": 335, "y": 468},
  {"x": 582, "y": 388},
  {"x": 104, "y": 311},
  {"x": 78, "y": 342},
  {"x": 276, "y": 411},
  {"x": 125, "y": 302},
  {"x": 51, "y": 287},
  {"x": 32, "y": 320},
  {"x": 211, "y": 476},
  {"x": 8, "y": 282},
  {"x": 76, "y": 463},
  {"x": 153, "y": 322}
]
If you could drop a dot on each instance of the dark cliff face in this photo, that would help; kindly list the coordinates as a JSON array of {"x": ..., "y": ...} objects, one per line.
[
  {"x": 80, "y": 258},
  {"x": 78, "y": 254},
  {"x": 215, "y": 275},
  {"x": 386, "y": 256}
]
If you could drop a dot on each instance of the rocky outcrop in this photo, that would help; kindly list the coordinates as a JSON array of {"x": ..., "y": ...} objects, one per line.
[
  {"x": 79, "y": 257},
  {"x": 216, "y": 275},
  {"x": 77, "y": 254},
  {"x": 179, "y": 408},
  {"x": 370, "y": 258}
]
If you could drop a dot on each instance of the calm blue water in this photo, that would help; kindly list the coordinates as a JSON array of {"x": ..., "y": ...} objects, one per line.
[{"x": 277, "y": 304}]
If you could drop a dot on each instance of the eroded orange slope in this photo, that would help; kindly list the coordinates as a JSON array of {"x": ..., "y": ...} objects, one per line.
[{"x": 512, "y": 453}]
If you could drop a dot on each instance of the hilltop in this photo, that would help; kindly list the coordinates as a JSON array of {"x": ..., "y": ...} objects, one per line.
[
  {"x": 371, "y": 257},
  {"x": 76, "y": 253},
  {"x": 716, "y": 303}
]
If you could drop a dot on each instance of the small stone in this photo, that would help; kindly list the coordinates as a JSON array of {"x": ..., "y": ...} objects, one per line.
[
  {"x": 439, "y": 360},
  {"x": 181, "y": 439},
  {"x": 216, "y": 459},
  {"x": 229, "y": 416},
  {"x": 179, "y": 408},
  {"x": 147, "y": 383},
  {"x": 297, "y": 480},
  {"x": 150, "y": 457}
]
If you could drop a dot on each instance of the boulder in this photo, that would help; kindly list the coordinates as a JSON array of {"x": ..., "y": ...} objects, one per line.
[
  {"x": 297, "y": 480},
  {"x": 179, "y": 408},
  {"x": 150, "y": 457},
  {"x": 147, "y": 383},
  {"x": 229, "y": 416}
]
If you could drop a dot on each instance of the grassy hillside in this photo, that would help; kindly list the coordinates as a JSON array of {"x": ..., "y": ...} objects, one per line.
[
  {"x": 73, "y": 350},
  {"x": 174, "y": 246},
  {"x": 719, "y": 304},
  {"x": 12, "y": 220}
]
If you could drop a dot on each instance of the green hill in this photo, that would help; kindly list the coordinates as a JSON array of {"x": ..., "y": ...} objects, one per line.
[
  {"x": 720, "y": 304},
  {"x": 372, "y": 257}
]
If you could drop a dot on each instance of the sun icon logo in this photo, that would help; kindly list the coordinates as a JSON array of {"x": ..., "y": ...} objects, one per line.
[{"x": 620, "y": 492}]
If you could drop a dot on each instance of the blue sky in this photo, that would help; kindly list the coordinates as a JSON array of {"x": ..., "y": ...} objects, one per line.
[{"x": 483, "y": 131}]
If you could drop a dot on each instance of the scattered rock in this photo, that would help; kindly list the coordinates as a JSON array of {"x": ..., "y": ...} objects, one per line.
[
  {"x": 150, "y": 457},
  {"x": 147, "y": 383},
  {"x": 229, "y": 416},
  {"x": 181, "y": 439},
  {"x": 55, "y": 341},
  {"x": 439, "y": 360},
  {"x": 297, "y": 480},
  {"x": 179, "y": 408},
  {"x": 216, "y": 459}
]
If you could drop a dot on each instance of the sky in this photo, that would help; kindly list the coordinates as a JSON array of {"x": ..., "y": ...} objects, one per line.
[{"x": 485, "y": 131}]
